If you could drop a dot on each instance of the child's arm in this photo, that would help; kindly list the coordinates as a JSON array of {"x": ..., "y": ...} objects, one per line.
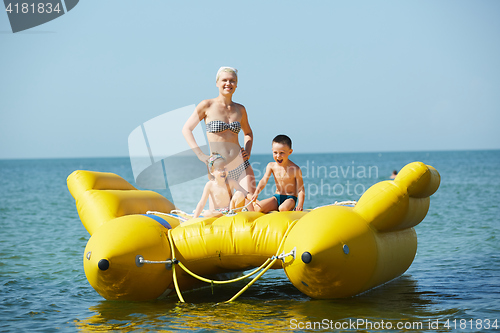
[
  {"x": 203, "y": 200},
  {"x": 301, "y": 193},
  {"x": 263, "y": 181}
]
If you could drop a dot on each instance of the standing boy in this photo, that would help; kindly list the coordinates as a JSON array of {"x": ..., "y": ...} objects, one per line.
[{"x": 288, "y": 178}]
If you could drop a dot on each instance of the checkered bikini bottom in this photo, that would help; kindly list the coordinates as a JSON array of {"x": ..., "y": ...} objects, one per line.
[{"x": 236, "y": 172}]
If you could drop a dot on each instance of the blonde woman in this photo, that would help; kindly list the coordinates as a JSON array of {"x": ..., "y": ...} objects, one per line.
[{"x": 224, "y": 119}]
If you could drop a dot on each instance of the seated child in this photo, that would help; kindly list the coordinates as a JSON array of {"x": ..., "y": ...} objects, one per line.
[
  {"x": 288, "y": 178},
  {"x": 219, "y": 190}
]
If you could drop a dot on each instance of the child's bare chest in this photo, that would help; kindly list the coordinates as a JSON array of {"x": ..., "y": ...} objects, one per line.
[
  {"x": 283, "y": 175},
  {"x": 220, "y": 196}
]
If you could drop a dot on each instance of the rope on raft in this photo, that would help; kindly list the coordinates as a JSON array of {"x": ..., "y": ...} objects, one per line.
[
  {"x": 175, "y": 212},
  {"x": 344, "y": 203},
  {"x": 341, "y": 203},
  {"x": 276, "y": 257},
  {"x": 264, "y": 267},
  {"x": 178, "y": 211},
  {"x": 177, "y": 262},
  {"x": 232, "y": 211}
]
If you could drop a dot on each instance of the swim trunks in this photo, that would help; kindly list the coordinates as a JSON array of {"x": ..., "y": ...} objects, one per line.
[
  {"x": 282, "y": 197},
  {"x": 217, "y": 126}
]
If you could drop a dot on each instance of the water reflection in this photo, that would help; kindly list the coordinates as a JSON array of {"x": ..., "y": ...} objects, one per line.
[{"x": 272, "y": 304}]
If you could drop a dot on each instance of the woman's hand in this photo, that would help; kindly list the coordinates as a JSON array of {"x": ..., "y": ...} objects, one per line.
[
  {"x": 244, "y": 154},
  {"x": 202, "y": 157}
]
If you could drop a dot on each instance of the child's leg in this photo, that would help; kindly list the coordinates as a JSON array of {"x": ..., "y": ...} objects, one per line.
[
  {"x": 266, "y": 205},
  {"x": 288, "y": 204},
  {"x": 238, "y": 200},
  {"x": 211, "y": 213}
]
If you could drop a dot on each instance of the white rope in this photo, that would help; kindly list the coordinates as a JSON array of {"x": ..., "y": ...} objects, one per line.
[
  {"x": 152, "y": 212},
  {"x": 173, "y": 211},
  {"x": 345, "y": 203},
  {"x": 178, "y": 211},
  {"x": 232, "y": 211},
  {"x": 341, "y": 203},
  {"x": 171, "y": 214}
]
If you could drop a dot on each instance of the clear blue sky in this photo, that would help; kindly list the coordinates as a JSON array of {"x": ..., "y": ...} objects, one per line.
[{"x": 337, "y": 76}]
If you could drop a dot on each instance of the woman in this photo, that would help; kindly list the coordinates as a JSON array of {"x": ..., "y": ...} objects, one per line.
[{"x": 224, "y": 119}]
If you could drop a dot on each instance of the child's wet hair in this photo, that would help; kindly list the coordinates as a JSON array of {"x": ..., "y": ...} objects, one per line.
[{"x": 283, "y": 139}]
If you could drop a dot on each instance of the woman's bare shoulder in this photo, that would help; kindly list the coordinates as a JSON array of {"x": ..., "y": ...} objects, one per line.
[
  {"x": 203, "y": 107},
  {"x": 206, "y": 103},
  {"x": 240, "y": 107}
]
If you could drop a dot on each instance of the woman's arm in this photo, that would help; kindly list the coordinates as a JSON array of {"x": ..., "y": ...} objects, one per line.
[
  {"x": 198, "y": 115},
  {"x": 247, "y": 131}
]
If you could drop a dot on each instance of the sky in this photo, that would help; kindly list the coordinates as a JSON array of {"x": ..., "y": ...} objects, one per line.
[{"x": 336, "y": 76}]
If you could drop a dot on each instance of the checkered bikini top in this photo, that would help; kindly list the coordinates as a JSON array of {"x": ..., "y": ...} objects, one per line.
[{"x": 217, "y": 126}]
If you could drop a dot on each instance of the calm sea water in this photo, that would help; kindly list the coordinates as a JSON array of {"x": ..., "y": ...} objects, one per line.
[{"x": 453, "y": 282}]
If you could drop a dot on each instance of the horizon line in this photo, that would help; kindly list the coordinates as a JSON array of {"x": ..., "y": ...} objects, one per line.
[{"x": 265, "y": 154}]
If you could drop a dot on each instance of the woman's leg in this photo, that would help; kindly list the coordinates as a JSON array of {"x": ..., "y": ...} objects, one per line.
[{"x": 247, "y": 180}]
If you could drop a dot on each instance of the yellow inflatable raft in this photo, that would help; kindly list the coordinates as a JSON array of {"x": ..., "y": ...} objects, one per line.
[{"x": 140, "y": 249}]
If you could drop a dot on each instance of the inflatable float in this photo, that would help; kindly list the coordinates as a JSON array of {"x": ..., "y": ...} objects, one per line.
[{"x": 141, "y": 249}]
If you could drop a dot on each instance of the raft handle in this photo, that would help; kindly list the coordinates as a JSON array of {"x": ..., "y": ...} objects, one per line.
[
  {"x": 140, "y": 261},
  {"x": 283, "y": 255},
  {"x": 232, "y": 212}
]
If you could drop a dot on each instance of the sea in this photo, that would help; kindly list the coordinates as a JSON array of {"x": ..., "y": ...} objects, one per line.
[{"x": 452, "y": 285}]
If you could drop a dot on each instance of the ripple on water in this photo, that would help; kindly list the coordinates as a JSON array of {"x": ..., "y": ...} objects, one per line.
[{"x": 43, "y": 285}]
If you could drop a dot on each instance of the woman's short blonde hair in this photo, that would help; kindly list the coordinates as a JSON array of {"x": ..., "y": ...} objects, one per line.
[{"x": 227, "y": 70}]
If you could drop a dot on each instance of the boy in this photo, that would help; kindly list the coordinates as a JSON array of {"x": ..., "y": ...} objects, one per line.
[{"x": 288, "y": 178}]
